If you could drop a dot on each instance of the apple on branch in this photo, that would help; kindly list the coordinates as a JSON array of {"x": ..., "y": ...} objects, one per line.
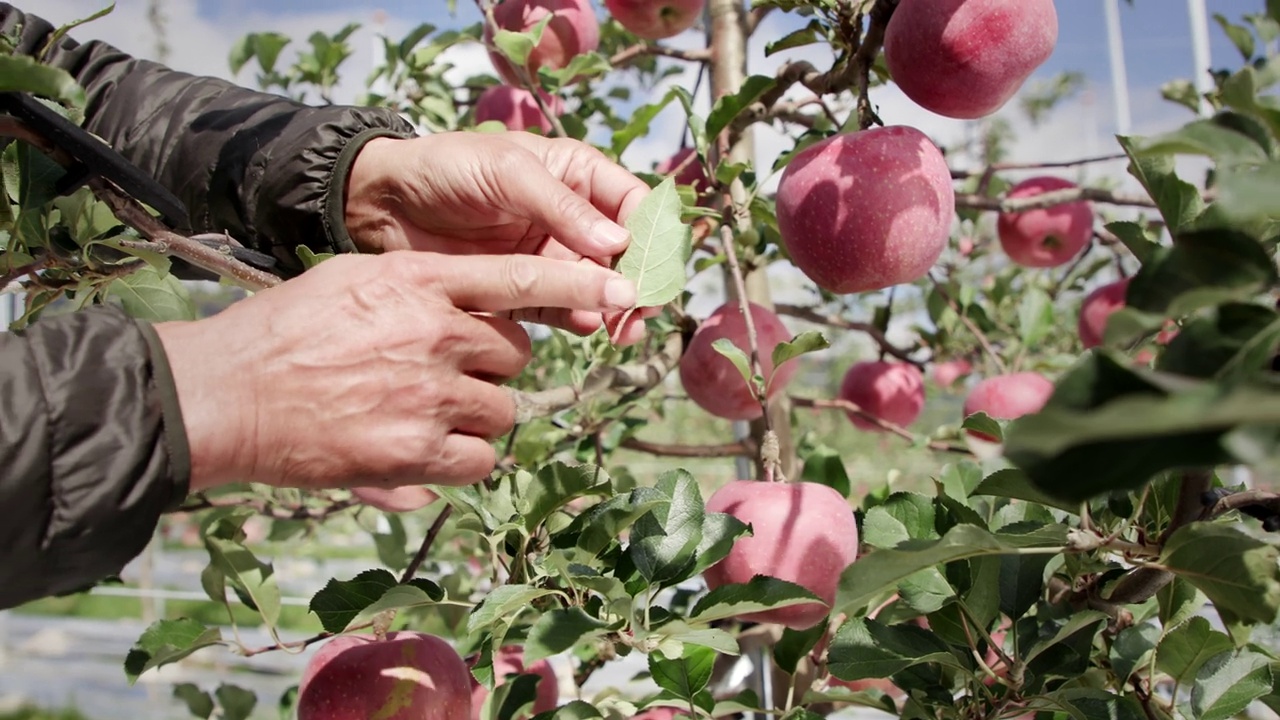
[
  {"x": 713, "y": 382},
  {"x": 572, "y": 31},
  {"x": 866, "y": 210},
  {"x": 407, "y": 676},
  {"x": 802, "y": 532},
  {"x": 891, "y": 391},
  {"x": 656, "y": 19},
  {"x": 509, "y": 661},
  {"x": 1008, "y": 397},
  {"x": 966, "y": 58},
  {"x": 1097, "y": 308},
  {"x": 1045, "y": 237},
  {"x": 516, "y": 108}
]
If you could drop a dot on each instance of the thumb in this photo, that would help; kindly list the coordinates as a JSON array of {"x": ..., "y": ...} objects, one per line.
[{"x": 548, "y": 202}]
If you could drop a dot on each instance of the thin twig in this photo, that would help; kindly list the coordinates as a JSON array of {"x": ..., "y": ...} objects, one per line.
[
  {"x": 300, "y": 644},
  {"x": 812, "y": 315},
  {"x": 975, "y": 201},
  {"x": 631, "y": 54},
  {"x": 1006, "y": 166},
  {"x": 886, "y": 425},
  {"x": 425, "y": 547},
  {"x": 268, "y": 509},
  {"x": 865, "y": 58},
  {"x": 689, "y": 451},
  {"x": 973, "y": 328}
]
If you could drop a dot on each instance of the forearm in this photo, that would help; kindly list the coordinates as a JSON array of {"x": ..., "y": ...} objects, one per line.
[
  {"x": 264, "y": 168},
  {"x": 92, "y": 449}
]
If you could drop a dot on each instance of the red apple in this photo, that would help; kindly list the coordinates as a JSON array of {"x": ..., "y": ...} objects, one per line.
[
  {"x": 866, "y": 210},
  {"x": 803, "y": 532},
  {"x": 663, "y": 712},
  {"x": 947, "y": 372},
  {"x": 692, "y": 173},
  {"x": 1046, "y": 237},
  {"x": 967, "y": 58},
  {"x": 884, "y": 685},
  {"x": 713, "y": 382},
  {"x": 656, "y": 19},
  {"x": 1006, "y": 397},
  {"x": 892, "y": 391},
  {"x": 1097, "y": 307},
  {"x": 509, "y": 661},
  {"x": 516, "y": 108},
  {"x": 407, "y": 676},
  {"x": 572, "y": 31},
  {"x": 396, "y": 500}
]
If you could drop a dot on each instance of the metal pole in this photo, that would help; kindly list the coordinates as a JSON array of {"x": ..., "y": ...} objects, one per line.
[
  {"x": 1119, "y": 75},
  {"x": 1200, "y": 52}
]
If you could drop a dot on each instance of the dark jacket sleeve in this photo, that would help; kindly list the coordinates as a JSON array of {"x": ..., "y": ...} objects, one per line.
[
  {"x": 92, "y": 449},
  {"x": 266, "y": 169}
]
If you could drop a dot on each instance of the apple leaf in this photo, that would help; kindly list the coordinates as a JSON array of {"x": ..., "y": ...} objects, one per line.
[
  {"x": 719, "y": 532},
  {"x": 1035, "y": 316},
  {"x": 728, "y": 107},
  {"x": 575, "y": 710},
  {"x": 198, "y": 702},
  {"x": 1135, "y": 238},
  {"x": 558, "y": 630},
  {"x": 1214, "y": 138},
  {"x": 1234, "y": 341},
  {"x": 1228, "y": 682},
  {"x": 1239, "y": 573},
  {"x": 902, "y": 516},
  {"x": 794, "y": 645},
  {"x": 603, "y": 523},
  {"x": 639, "y": 123},
  {"x": 340, "y": 601},
  {"x": 1021, "y": 583},
  {"x": 1066, "y": 653},
  {"x": 1189, "y": 646},
  {"x": 807, "y": 35},
  {"x": 1202, "y": 268},
  {"x": 501, "y": 602},
  {"x": 802, "y": 344},
  {"x": 685, "y": 676},
  {"x": 167, "y": 641},
  {"x": 310, "y": 258},
  {"x": 980, "y": 422},
  {"x": 865, "y": 648},
  {"x": 512, "y": 699},
  {"x": 664, "y": 540},
  {"x": 1250, "y": 193},
  {"x": 1133, "y": 648},
  {"x": 1179, "y": 201},
  {"x": 555, "y": 485},
  {"x": 881, "y": 569},
  {"x": 236, "y": 702},
  {"x": 656, "y": 260},
  {"x": 825, "y": 465},
  {"x": 253, "y": 580},
  {"x": 419, "y": 592},
  {"x": 22, "y": 73},
  {"x": 1083, "y": 703},
  {"x": 149, "y": 294},
  {"x": 518, "y": 46},
  {"x": 926, "y": 591},
  {"x": 736, "y": 355},
  {"x": 1014, "y": 484},
  {"x": 1179, "y": 601},
  {"x": 758, "y": 594}
]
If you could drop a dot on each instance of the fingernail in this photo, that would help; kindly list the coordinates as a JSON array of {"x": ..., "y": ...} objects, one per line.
[
  {"x": 611, "y": 237},
  {"x": 620, "y": 292}
]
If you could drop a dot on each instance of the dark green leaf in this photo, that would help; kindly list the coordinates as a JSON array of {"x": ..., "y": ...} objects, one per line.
[
  {"x": 555, "y": 485},
  {"x": 149, "y": 294},
  {"x": 719, "y": 532},
  {"x": 794, "y": 645},
  {"x": 340, "y": 601},
  {"x": 22, "y": 73},
  {"x": 253, "y": 579},
  {"x": 1204, "y": 137},
  {"x": 873, "y": 573},
  {"x": 1227, "y": 683},
  {"x": 1187, "y": 647},
  {"x": 685, "y": 676},
  {"x": 1179, "y": 201},
  {"x": 663, "y": 542},
  {"x": 167, "y": 641},
  {"x": 728, "y": 107},
  {"x": 758, "y": 594},
  {"x": 1234, "y": 341},
  {"x": 736, "y": 355},
  {"x": 825, "y": 465},
  {"x": 558, "y": 630},
  {"x": 1021, "y": 583},
  {"x": 1133, "y": 648},
  {"x": 802, "y": 344},
  {"x": 1202, "y": 268},
  {"x": 1066, "y": 653},
  {"x": 1239, "y": 35},
  {"x": 902, "y": 516},
  {"x": 1250, "y": 193},
  {"x": 236, "y": 702},
  {"x": 1179, "y": 601},
  {"x": 501, "y": 602},
  {"x": 926, "y": 591},
  {"x": 980, "y": 422},
  {"x": 865, "y": 648},
  {"x": 418, "y": 593},
  {"x": 198, "y": 702},
  {"x": 1239, "y": 573},
  {"x": 807, "y": 35},
  {"x": 1035, "y": 316},
  {"x": 1013, "y": 483},
  {"x": 1136, "y": 238},
  {"x": 660, "y": 247},
  {"x": 602, "y": 524}
]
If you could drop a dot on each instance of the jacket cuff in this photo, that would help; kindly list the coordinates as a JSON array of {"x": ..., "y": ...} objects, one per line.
[
  {"x": 335, "y": 194},
  {"x": 175, "y": 429}
]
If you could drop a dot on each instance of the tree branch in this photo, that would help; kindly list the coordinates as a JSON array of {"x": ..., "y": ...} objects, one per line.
[
  {"x": 812, "y": 315},
  {"x": 887, "y": 426},
  {"x": 690, "y": 451},
  {"x": 266, "y": 508},
  {"x": 1006, "y": 166},
  {"x": 1049, "y": 199},
  {"x": 865, "y": 58},
  {"x": 630, "y": 55},
  {"x": 425, "y": 547},
  {"x": 968, "y": 322}
]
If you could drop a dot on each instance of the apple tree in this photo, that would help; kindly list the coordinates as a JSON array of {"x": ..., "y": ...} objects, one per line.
[{"x": 1074, "y": 543}]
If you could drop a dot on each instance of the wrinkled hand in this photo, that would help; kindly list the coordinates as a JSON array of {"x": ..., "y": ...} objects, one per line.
[
  {"x": 369, "y": 370},
  {"x": 516, "y": 192}
]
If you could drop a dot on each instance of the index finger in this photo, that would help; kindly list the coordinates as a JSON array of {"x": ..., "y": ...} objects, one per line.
[
  {"x": 497, "y": 283},
  {"x": 610, "y": 187}
]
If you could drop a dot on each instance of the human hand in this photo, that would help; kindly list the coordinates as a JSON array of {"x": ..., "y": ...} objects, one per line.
[
  {"x": 368, "y": 370},
  {"x": 471, "y": 193}
]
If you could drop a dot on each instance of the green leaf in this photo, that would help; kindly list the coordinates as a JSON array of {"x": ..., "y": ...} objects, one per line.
[
  {"x": 1235, "y": 341},
  {"x": 518, "y": 46},
  {"x": 794, "y": 645},
  {"x": 825, "y": 465},
  {"x": 1013, "y": 483},
  {"x": 512, "y": 699},
  {"x": 558, "y": 630},
  {"x": 1136, "y": 238},
  {"x": 1227, "y": 683},
  {"x": 340, "y": 601},
  {"x": 198, "y": 702},
  {"x": 685, "y": 676},
  {"x": 1179, "y": 601},
  {"x": 149, "y": 294},
  {"x": 759, "y": 594},
  {"x": 926, "y": 591},
  {"x": 1187, "y": 647},
  {"x": 902, "y": 516},
  {"x": 660, "y": 247},
  {"x": 1133, "y": 648},
  {"x": 1179, "y": 201},
  {"x": 310, "y": 258},
  {"x": 419, "y": 592},
  {"x": 1250, "y": 193},
  {"x": 866, "y": 648},
  {"x": 807, "y": 35},
  {"x": 167, "y": 641},
  {"x": 663, "y": 541},
  {"x": 503, "y": 601},
  {"x": 980, "y": 422},
  {"x": 1021, "y": 583},
  {"x": 719, "y": 532},
  {"x": 1239, "y": 35},
  {"x": 1239, "y": 573},
  {"x": 736, "y": 355},
  {"x": 236, "y": 702},
  {"x": 1211, "y": 138},
  {"x": 638, "y": 125},
  {"x": 1110, "y": 427},
  {"x": 728, "y": 107},
  {"x": 253, "y": 579},
  {"x": 555, "y": 485},
  {"x": 1202, "y": 268},
  {"x": 802, "y": 344},
  {"x": 1035, "y": 316},
  {"x": 602, "y": 524},
  {"x": 876, "y": 571},
  {"x": 22, "y": 73},
  {"x": 1067, "y": 653}
]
